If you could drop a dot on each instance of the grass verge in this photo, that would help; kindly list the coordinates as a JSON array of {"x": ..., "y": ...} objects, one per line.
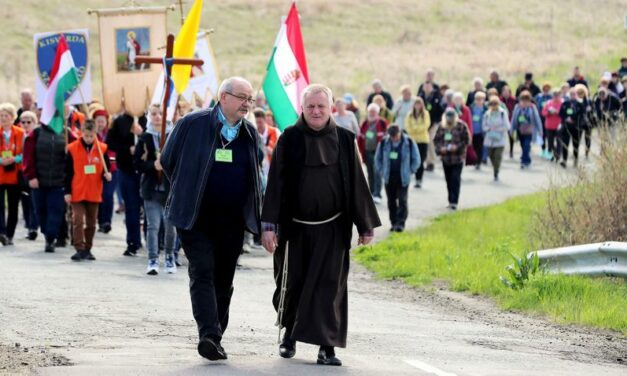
[{"x": 471, "y": 248}]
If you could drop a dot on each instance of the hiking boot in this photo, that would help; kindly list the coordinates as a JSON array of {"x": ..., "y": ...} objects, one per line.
[
  {"x": 170, "y": 265},
  {"x": 153, "y": 267},
  {"x": 326, "y": 357}
]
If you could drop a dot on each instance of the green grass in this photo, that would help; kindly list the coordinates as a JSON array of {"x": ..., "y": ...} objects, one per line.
[{"x": 470, "y": 250}]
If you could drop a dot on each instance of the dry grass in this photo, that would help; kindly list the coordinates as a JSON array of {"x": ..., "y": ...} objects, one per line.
[
  {"x": 349, "y": 42},
  {"x": 594, "y": 208}
]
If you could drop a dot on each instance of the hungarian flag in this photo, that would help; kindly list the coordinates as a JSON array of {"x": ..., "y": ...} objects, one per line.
[
  {"x": 63, "y": 79},
  {"x": 287, "y": 74}
]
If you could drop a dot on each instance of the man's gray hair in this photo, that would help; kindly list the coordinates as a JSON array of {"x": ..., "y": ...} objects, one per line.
[
  {"x": 373, "y": 106},
  {"x": 315, "y": 89},
  {"x": 227, "y": 85}
]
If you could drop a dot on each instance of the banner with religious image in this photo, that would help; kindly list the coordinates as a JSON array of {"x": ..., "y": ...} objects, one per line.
[
  {"x": 45, "y": 50},
  {"x": 126, "y": 33}
]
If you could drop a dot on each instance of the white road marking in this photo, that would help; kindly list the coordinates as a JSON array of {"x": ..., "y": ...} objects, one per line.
[{"x": 427, "y": 367}]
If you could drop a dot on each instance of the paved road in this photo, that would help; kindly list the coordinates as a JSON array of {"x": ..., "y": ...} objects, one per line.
[{"x": 108, "y": 317}]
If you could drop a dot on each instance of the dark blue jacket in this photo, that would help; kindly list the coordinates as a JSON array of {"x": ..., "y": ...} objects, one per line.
[{"x": 187, "y": 159}]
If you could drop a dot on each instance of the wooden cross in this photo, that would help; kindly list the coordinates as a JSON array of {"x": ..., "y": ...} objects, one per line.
[{"x": 159, "y": 60}]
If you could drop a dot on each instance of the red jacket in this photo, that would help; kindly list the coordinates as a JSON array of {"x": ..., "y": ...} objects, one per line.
[
  {"x": 8, "y": 174},
  {"x": 382, "y": 127},
  {"x": 551, "y": 113},
  {"x": 465, "y": 116},
  {"x": 88, "y": 170}
]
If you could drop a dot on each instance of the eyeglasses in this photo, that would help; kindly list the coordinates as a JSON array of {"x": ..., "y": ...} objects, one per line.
[{"x": 242, "y": 98}]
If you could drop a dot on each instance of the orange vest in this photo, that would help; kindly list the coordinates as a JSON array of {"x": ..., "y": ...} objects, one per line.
[
  {"x": 88, "y": 170},
  {"x": 273, "y": 137},
  {"x": 14, "y": 147}
]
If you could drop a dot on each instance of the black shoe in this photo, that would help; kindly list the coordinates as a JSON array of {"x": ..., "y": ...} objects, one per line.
[
  {"x": 418, "y": 185},
  {"x": 326, "y": 356},
  {"x": 287, "y": 348},
  {"x": 106, "y": 228},
  {"x": 400, "y": 228},
  {"x": 211, "y": 349},
  {"x": 49, "y": 248},
  {"x": 32, "y": 235},
  {"x": 87, "y": 255},
  {"x": 393, "y": 228},
  {"x": 430, "y": 167},
  {"x": 9, "y": 241},
  {"x": 78, "y": 256},
  {"x": 3, "y": 239},
  {"x": 131, "y": 250},
  {"x": 60, "y": 243},
  {"x": 563, "y": 164}
]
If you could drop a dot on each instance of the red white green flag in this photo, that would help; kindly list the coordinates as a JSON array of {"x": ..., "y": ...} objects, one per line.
[
  {"x": 287, "y": 74},
  {"x": 63, "y": 79}
]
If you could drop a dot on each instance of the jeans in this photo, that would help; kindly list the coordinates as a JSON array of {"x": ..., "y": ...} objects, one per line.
[
  {"x": 84, "y": 216},
  {"x": 31, "y": 222},
  {"x": 453, "y": 176},
  {"x": 374, "y": 178},
  {"x": 129, "y": 186},
  {"x": 212, "y": 255},
  {"x": 155, "y": 219},
  {"x": 13, "y": 199},
  {"x": 422, "y": 150},
  {"x": 50, "y": 207},
  {"x": 525, "y": 144},
  {"x": 105, "y": 211},
  {"x": 397, "y": 200}
]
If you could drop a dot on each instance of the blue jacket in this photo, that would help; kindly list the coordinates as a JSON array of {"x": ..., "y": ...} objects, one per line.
[
  {"x": 187, "y": 159},
  {"x": 410, "y": 159},
  {"x": 533, "y": 117}
]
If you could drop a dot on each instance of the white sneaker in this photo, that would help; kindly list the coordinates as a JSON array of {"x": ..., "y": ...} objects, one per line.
[
  {"x": 170, "y": 265},
  {"x": 153, "y": 267},
  {"x": 377, "y": 200}
]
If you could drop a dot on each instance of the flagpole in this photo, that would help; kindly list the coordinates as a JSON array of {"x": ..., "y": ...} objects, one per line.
[{"x": 84, "y": 105}]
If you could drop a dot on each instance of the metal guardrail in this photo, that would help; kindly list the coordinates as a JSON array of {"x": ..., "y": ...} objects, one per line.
[{"x": 598, "y": 259}]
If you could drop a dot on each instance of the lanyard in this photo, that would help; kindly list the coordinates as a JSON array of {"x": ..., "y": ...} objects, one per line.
[{"x": 90, "y": 158}]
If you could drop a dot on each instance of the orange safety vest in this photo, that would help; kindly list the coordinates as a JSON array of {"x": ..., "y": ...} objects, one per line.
[
  {"x": 11, "y": 149},
  {"x": 88, "y": 170}
]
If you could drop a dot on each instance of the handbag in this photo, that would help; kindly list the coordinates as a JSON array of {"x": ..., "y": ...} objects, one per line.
[{"x": 471, "y": 156}]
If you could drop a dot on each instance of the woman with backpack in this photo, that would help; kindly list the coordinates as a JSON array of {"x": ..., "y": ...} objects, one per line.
[
  {"x": 496, "y": 128},
  {"x": 526, "y": 121}
]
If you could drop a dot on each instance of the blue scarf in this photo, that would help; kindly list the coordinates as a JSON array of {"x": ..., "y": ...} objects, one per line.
[{"x": 229, "y": 132}]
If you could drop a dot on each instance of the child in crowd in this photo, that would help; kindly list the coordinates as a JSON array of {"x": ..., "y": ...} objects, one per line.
[{"x": 85, "y": 170}]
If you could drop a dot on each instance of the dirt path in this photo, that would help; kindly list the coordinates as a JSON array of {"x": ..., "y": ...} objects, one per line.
[{"x": 107, "y": 317}]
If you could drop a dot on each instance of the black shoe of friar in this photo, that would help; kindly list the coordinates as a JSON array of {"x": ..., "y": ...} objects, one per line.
[
  {"x": 326, "y": 357},
  {"x": 287, "y": 348},
  {"x": 78, "y": 256},
  {"x": 211, "y": 349},
  {"x": 87, "y": 255}
]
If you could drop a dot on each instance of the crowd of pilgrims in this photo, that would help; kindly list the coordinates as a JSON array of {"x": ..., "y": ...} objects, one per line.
[{"x": 68, "y": 183}]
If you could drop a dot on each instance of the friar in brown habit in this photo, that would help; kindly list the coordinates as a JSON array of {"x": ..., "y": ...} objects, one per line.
[{"x": 316, "y": 192}]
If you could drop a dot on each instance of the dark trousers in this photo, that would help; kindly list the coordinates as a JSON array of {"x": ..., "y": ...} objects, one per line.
[
  {"x": 105, "y": 211},
  {"x": 374, "y": 179},
  {"x": 588, "y": 138},
  {"x": 129, "y": 186},
  {"x": 570, "y": 133},
  {"x": 12, "y": 194},
  {"x": 453, "y": 176},
  {"x": 28, "y": 210},
  {"x": 397, "y": 200},
  {"x": 84, "y": 215},
  {"x": 525, "y": 144},
  {"x": 553, "y": 143},
  {"x": 212, "y": 255},
  {"x": 511, "y": 145},
  {"x": 477, "y": 144},
  {"x": 50, "y": 210},
  {"x": 422, "y": 150}
]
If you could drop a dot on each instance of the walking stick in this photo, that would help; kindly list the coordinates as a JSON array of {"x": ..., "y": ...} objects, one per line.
[{"x": 281, "y": 310}]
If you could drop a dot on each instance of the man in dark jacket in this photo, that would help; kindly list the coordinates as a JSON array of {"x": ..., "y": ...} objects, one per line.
[
  {"x": 496, "y": 82},
  {"x": 607, "y": 110},
  {"x": 121, "y": 139},
  {"x": 528, "y": 85},
  {"x": 377, "y": 88},
  {"x": 212, "y": 162},
  {"x": 577, "y": 78}
]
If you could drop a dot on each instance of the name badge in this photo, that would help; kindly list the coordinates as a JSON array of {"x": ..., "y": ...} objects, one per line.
[
  {"x": 522, "y": 119},
  {"x": 224, "y": 155},
  {"x": 90, "y": 169},
  {"x": 448, "y": 136},
  {"x": 393, "y": 155},
  {"x": 7, "y": 154},
  {"x": 369, "y": 134},
  {"x": 476, "y": 118},
  {"x": 429, "y": 107},
  {"x": 570, "y": 111}
]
